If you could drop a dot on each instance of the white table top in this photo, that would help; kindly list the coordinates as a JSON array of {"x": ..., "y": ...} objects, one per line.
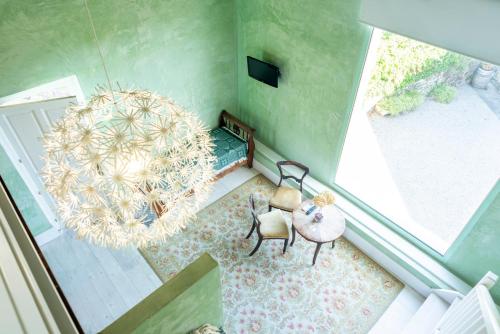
[{"x": 331, "y": 227}]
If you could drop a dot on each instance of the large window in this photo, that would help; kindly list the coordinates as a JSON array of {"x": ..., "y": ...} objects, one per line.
[{"x": 423, "y": 144}]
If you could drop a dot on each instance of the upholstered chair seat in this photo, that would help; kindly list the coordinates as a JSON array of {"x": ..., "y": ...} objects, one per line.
[
  {"x": 273, "y": 225},
  {"x": 269, "y": 225},
  {"x": 286, "y": 198}
]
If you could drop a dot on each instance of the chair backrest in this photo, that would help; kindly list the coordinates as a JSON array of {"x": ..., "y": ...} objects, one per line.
[
  {"x": 305, "y": 170},
  {"x": 251, "y": 206}
]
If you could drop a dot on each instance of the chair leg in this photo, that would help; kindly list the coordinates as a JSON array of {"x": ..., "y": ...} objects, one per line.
[
  {"x": 256, "y": 246},
  {"x": 284, "y": 247},
  {"x": 333, "y": 244},
  {"x": 293, "y": 235},
  {"x": 270, "y": 208},
  {"x": 251, "y": 231}
]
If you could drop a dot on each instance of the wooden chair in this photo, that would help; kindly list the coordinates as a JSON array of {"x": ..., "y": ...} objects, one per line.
[
  {"x": 269, "y": 225},
  {"x": 288, "y": 198}
]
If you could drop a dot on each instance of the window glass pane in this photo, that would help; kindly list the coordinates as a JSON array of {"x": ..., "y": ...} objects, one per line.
[{"x": 424, "y": 139}]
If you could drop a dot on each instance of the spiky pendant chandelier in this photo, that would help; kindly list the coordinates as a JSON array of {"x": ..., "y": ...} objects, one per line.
[{"x": 129, "y": 168}]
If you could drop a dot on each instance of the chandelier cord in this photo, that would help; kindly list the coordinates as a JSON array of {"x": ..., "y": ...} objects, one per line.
[{"x": 103, "y": 62}]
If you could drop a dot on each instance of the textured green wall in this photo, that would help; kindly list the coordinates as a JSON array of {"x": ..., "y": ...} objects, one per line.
[
  {"x": 183, "y": 49},
  {"x": 479, "y": 250},
  {"x": 187, "y": 49},
  {"x": 190, "y": 299},
  {"x": 319, "y": 46}
]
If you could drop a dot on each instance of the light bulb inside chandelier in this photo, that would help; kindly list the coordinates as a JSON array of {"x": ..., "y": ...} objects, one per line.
[{"x": 130, "y": 168}]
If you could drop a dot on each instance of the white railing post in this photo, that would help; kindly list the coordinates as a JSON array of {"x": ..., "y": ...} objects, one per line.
[
  {"x": 476, "y": 313},
  {"x": 488, "y": 280}
]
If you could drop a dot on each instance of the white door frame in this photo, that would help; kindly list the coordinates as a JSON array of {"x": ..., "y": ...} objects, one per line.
[
  {"x": 68, "y": 86},
  {"x": 55, "y": 231},
  {"x": 25, "y": 166},
  {"x": 62, "y": 89}
]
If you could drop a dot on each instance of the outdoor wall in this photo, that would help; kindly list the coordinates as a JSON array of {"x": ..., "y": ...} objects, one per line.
[
  {"x": 181, "y": 48},
  {"x": 319, "y": 47},
  {"x": 191, "y": 298}
]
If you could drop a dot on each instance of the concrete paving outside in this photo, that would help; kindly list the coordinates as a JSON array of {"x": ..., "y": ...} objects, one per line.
[
  {"x": 426, "y": 170},
  {"x": 491, "y": 96}
]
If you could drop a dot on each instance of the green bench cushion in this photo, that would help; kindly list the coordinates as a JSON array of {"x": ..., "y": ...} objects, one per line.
[{"x": 228, "y": 147}]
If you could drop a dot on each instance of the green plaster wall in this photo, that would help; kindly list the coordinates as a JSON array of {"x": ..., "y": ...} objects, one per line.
[
  {"x": 478, "y": 251},
  {"x": 190, "y": 299},
  {"x": 32, "y": 214},
  {"x": 319, "y": 47},
  {"x": 195, "y": 52},
  {"x": 183, "y": 49}
]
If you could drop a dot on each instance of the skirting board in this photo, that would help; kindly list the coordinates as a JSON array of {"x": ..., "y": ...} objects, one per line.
[{"x": 436, "y": 276}]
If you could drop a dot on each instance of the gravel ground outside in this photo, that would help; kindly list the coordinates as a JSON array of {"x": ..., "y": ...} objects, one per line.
[{"x": 429, "y": 169}]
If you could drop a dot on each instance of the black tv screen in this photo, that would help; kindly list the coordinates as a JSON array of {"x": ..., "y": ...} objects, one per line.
[{"x": 262, "y": 71}]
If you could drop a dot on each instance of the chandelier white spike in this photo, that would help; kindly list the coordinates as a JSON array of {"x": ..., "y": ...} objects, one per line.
[{"x": 130, "y": 168}]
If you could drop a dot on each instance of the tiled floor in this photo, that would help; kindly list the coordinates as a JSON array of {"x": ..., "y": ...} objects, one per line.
[
  {"x": 229, "y": 182},
  {"x": 101, "y": 284}
]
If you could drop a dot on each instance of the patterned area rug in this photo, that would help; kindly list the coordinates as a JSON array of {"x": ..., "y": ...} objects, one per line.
[{"x": 346, "y": 292}]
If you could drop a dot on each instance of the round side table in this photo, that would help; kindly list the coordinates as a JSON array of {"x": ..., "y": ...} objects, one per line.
[{"x": 330, "y": 228}]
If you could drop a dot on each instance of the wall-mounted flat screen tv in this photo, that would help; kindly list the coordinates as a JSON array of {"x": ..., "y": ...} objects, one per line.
[{"x": 262, "y": 71}]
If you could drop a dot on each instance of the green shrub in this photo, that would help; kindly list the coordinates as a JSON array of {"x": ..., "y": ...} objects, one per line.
[
  {"x": 402, "y": 61},
  {"x": 447, "y": 63},
  {"x": 397, "y": 104},
  {"x": 443, "y": 93}
]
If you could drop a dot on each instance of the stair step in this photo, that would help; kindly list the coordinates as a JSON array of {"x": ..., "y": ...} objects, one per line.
[
  {"x": 399, "y": 313},
  {"x": 427, "y": 316},
  {"x": 453, "y": 305}
]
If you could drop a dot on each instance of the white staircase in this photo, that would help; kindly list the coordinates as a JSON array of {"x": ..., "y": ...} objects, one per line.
[{"x": 442, "y": 312}]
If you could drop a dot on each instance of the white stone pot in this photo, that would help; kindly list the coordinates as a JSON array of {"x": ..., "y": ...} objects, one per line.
[{"x": 482, "y": 77}]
